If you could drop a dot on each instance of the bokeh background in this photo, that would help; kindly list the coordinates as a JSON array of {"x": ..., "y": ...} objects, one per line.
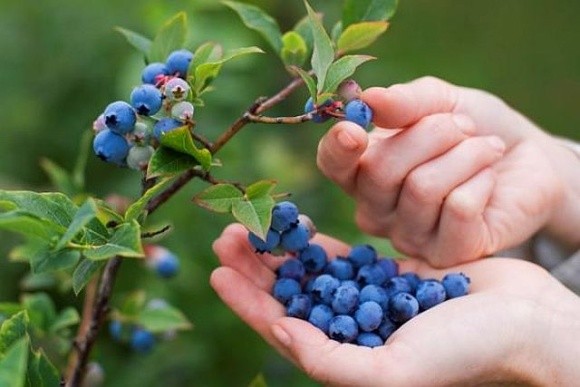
[{"x": 61, "y": 63}]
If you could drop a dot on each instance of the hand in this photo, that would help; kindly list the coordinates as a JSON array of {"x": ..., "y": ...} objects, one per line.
[
  {"x": 456, "y": 175},
  {"x": 517, "y": 325}
]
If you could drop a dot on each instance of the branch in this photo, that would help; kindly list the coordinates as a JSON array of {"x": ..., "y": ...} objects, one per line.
[
  {"x": 279, "y": 120},
  {"x": 91, "y": 322}
]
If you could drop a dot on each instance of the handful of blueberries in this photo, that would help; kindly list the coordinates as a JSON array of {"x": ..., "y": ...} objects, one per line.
[{"x": 359, "y": 298}]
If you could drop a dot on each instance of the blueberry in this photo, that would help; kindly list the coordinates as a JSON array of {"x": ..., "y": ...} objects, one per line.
[
  {"x": 115, "y": 329},
  {"x": 167, "y": 266},
  {"x": 369, "y": 339},
  {"x": 176, "y": 89},
  {"x": 284, "y": 215},
  {"x": 320, "y": 317},
  {"x": 361, "y": 255},
  {"x": 369, "y": 316},
  {"x": 285, "y": 288},
  {"x": 178, "y": 62},
  {"x": 323, "y": 288},
  {"x": 183, "y": 111},
  {"x": 343, "y": 328},
  {"x": 111, "y": 147},
  {"x": 299, "y": 306},
  {"x": 345, "y": 299},
  {"x": 397, "y": 285},
  {"x": 146, "y": 99},
  {"x": 317, "y": 117},
  {"x": 142, "y": 340},
  {"x": 374, "y": 293},
  {"x": 456, "y": 284},
  {"x": 306, "y": 221},
  {"x": 120, "y": 117},
  {"x": 371, "y": 274},
  {"x": 295, "y": 239},
  {"x": 386, "y": 329},
  {"x": 389, "y": 266},
  {"x": 165, "y": 125},
  {"x": 403, "y": 307},
  {"x": 313, "y": 257},
  {"x": 272, "y": 241},
  {"x": 351, "y": 283},
  {"x": 412, "y": 279},
  {"x": 340, "y": 268},
  {"x": 152, "y": 71},
  {"x": 292, "y": 268},
  {"x": 430, "y": 293},
  {"x": 139, "y": 157},
  {"x": 358, "y": 112}
]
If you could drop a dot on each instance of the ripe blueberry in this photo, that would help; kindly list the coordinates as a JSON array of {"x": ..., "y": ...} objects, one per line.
[
  {"x": 430, "y": 293},
  {"x": 369, "y": 339},
  {"x": 111, "y": 147},
  {"x": 313, "y": 257},
  {"x": 320, "y": 317},
  {"x": 284, "y": 215},
  {"x": 358, "y": 112},
  {"x": 152, "y": 71},
  {"x": 299, "y": 306},
  {"x": 345, "y": 299},
  {"x": 371, "y": 274},
  {"x": 285, "y": 288},
  {"x": 403, "y": 307},
  {"x": 319, "y": 117},
  {"x": 295, "y": 239},
  {"x": 165, "y": 125},
  {"x": 456, "y": 284},
  {"x": 323, "y": 288},
  {"x": 142, "y": 340},
  {"x": 120, "y": 117},
  {"x": 146, "y": 99},
  {"x": 161, "y": 260},
  {"x": 389, "y": 266},
  {"x": 292, "y": 268},
  {"x": 397, "y": 285},
  {"x": 178, "y": 62},
  {"x": 374, "y": 293},
  {"x": 340, "y": 268},
  {"x": 261, "y": 246},
  {"x": 369, "y": 316},
  {"x": 361, "y": 255},
  {"x": 343, "y": 328}
]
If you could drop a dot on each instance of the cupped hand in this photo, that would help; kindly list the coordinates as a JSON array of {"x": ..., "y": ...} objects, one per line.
[
  {"x": 450, "y": 174},
  {"x": 501, "y": 332}
]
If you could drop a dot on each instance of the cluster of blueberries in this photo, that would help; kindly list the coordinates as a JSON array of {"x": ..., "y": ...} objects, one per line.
[
  {"x": 360, "y": 298},
  {"x": 141, "y": 340},
  {"x": 354, "y": 109},
  {"x": 127, "y": 133}
]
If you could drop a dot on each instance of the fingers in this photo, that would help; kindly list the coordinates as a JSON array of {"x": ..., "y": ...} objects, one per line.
[
  {"x": 404, "y": 104},
  {"x": 327, "y": 360},
  {"x": 385, "y": 165},
  {"x": 427, "y": 187},
  {"x": 339, "y": 151}
]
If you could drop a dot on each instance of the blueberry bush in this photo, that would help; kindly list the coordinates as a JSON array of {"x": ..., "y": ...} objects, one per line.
[{"x": 77, "y": 241}]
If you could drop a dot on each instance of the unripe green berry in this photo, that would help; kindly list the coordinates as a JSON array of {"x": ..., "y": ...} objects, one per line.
[
  {"x": 183, "y": 111},
  {"x": 139, "y": 157},
  {"x": 176, "y": 89}
]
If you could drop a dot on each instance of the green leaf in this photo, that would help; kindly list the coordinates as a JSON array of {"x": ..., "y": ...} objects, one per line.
[
  {"x": 294, "y": 49},
  {"x": 258, "y": 381},
  {"x": 219, "y": 197},
  {"x": 55, "y": 207},
  {"x": 133, "y": 304},
  {"x": 205, "y": 73},
  {"x": 164, "y": 319},
  {"x": 323, "y": 53},
  {"x": 171, "y": 37},
  {"x": 342, "y": 69},
  {"x": 36, "y": 282},
  {"x": 360, "y": 35},
  {"x": 308, "y": 81},
  {"x": 41, "y": 310},
  {"x": 136, "y": 208},
  {"x": 43, "y": 259},
  {"x": 106, "y": 214},
  {"x": 260, "y": 188},
  {"x": 59, "y": 177},
  {"x": 125, "y": 242},
  {"x": 207, "y": 52},
  {"x": 14, "y": 364},
  {"x": 136, "y": 40},
  {"x": 65, "y": 319},
  {"x": 304, "y": 29},
  {"x": 180, "y": 140},
  {"x": 9, "y": 309},
  {"x": 167, "y": 162},
  {"x": 355, "y": 11},
  {"x": 255, "y": 214},
  {"x": 29, "y": 225},
  {"x": 83, "y": 273},
  {"x": 41, "y": 372},
  {"x": 84, "y": 215},
  {"x": 12, "y": 330},
  {"x": 258, "y": 20},
  {"x": 336, "y": 31}
]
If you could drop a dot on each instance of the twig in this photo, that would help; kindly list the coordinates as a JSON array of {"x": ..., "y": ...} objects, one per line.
[
  {"x": 90, "y": 325},
  {"x": 279, "y": 120}
]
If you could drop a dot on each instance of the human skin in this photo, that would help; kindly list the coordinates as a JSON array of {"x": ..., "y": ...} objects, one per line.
[
  {"x": 452, "y": 174},
  {"x": 518, "y": 325}
]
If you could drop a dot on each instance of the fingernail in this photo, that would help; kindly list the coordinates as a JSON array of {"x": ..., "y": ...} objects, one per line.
[
  {"x": 346, "y": 140},
  {"x": 496, "y": 143},
  {"x": 281, "y": 335},
  {"x": 464, "y": 123}
]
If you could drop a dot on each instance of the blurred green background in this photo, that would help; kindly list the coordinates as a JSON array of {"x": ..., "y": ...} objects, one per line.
[{"x": 61, "y": 63}]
